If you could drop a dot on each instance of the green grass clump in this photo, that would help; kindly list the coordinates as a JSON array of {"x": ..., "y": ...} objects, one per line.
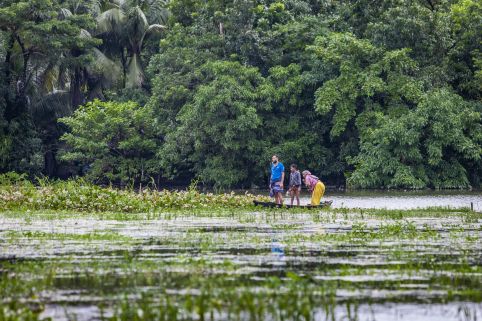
[
  {"x": 288, "y": 298},
  {"x": 18, "y": 312}
]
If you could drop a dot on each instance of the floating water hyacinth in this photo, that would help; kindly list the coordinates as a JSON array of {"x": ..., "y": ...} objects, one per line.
[{"x": 80, "y": 195}]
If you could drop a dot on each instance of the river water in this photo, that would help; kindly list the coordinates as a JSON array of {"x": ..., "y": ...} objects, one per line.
[
  {"x": 380, "y": 268},
  {"x": 400, "y": 199},
  {"x": 371, "y": 266}
]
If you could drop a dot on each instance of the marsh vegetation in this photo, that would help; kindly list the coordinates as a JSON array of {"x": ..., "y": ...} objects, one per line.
[{"x": 234, "y": 262}]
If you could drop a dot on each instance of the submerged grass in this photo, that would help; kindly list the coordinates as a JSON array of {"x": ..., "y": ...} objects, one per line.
[
  {"x": 245, "y": 214},
  {"x": 92, "y": 236},
  {"x": 151, "y": 290},
  {"x": 16, "y": 311}
]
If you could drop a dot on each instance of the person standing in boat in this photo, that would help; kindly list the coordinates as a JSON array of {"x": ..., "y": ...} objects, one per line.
[
  {"x": 295, "y": 184},
  {"x": 315, "y": 185},
  {"x": 276, "y": 180}
]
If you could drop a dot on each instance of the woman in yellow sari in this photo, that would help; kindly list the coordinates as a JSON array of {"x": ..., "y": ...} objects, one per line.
[{"x": 316, "y": 186}]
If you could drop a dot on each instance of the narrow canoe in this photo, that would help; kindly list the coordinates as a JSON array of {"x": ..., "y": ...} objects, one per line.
[{"x": 273, "y": 205}]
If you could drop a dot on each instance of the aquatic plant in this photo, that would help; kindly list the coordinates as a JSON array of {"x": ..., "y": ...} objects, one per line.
[
  {"x": 16, "y": 193},
  {"x": 19, "y": 312}
]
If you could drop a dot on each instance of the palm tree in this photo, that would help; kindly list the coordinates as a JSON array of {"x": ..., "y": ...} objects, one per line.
[
  {"x": 44, "y": 75},
  {"x": 124, "y": 27},
  {"x": 59, "y": 87}
]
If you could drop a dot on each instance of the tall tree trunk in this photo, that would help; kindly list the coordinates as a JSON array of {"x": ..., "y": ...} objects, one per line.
[
  {"x": 50, "y": 163},
  {"x": 8, "y": 57},
  {"x": 8, "y": 81},
  {"x": 75, "y": 88},
  {"x": 124, "y": 67},
  {"x": 19, "y": 105},
  {"x": 26, "y": 58}
]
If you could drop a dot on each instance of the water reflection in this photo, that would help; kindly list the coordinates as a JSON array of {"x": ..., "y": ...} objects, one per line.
[{"x": 277, "y": 249}]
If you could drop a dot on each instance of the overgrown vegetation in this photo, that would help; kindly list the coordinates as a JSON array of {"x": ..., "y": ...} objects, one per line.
[
  {"x": 18, "y": 193},
  {"x": 366, "y": 94}
]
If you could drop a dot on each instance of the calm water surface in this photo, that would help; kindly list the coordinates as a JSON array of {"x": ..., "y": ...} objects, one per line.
[{"x": 400, "y": 199}]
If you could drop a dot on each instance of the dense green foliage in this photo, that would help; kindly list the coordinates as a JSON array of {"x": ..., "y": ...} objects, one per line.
[
  {"x": 116, "y": 139},
  {"x": 19, "y": 194},
  {"x": 368, "y": 94}
]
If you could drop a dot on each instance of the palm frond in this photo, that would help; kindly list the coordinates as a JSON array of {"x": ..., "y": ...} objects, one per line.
[
  {"x": 57, "y": 102},
  {"x": 136, "y": 26},
  {"x": 135, "y": 75},
  {"x": 44, "y": 78},
  {"x": 64, "y": 13},
  {"x": 156, "y": 11},
  {"x": 96, "y": 8},
  {"x": 49, "y": 79},
  {"x": 153, "y": 30},
  {"x": 163, "y": 15},
  {"x": 99, "y": 6},
  {"x": 110, "y": 21},
  {"x": 104, "y": 69},
  {"x": 85, "y": 34}
]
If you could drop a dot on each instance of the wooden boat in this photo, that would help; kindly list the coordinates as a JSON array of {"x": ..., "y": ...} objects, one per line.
[{"x": 274, "y": 205}]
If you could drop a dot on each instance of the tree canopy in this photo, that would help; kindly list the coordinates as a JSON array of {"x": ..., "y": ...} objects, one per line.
[{"x": 383, "y": 94}]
